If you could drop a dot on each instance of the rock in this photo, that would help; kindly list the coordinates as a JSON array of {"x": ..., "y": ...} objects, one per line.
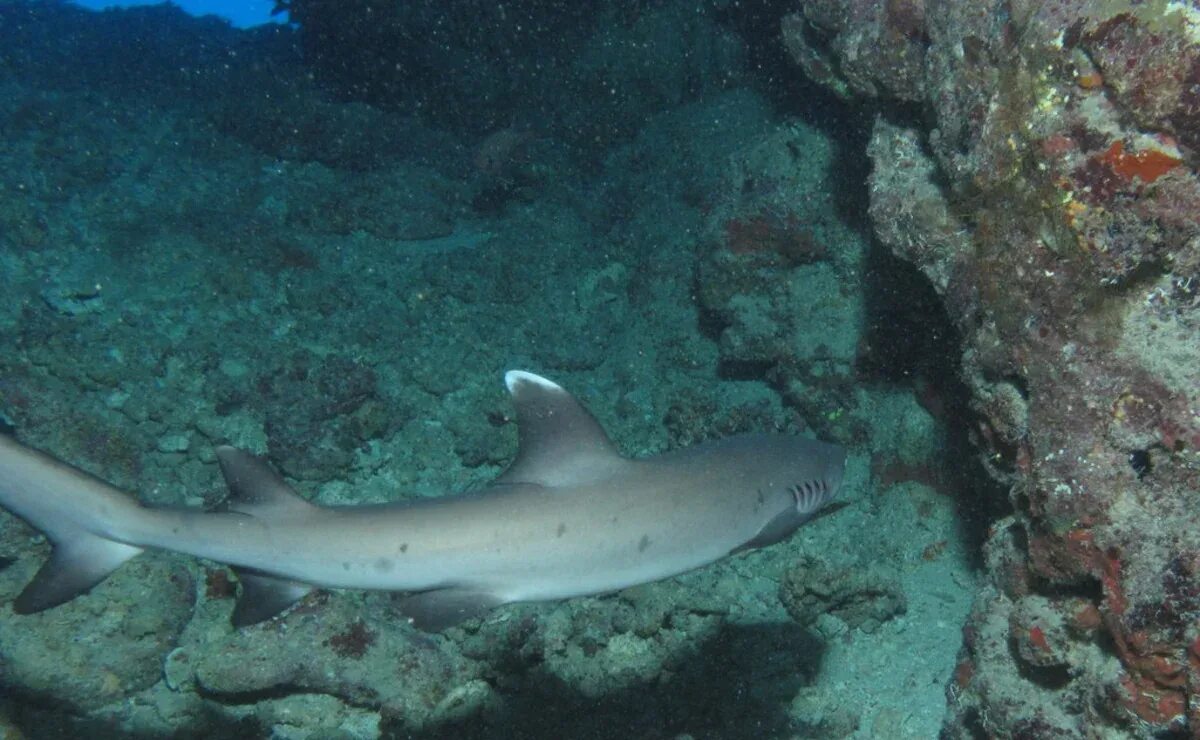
[
  {"x": 1050, "y": 197},
  {"x": 864, "y": 600}
]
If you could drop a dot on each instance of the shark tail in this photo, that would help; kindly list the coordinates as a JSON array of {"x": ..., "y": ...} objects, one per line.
[
  {"x": 75, "y": 566},
  {"x": 74, "y": 510}
]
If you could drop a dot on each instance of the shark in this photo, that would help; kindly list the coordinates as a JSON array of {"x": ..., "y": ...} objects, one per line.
[{"x": 569, "y": 517}]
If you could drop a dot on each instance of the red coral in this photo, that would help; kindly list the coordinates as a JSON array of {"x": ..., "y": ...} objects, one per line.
[
  {"x": 1105, "y": 174},
  {"x": 1147, "y": 165},
  {"x": 1037, "y": 638},
  {"x": 1110, "y": 576},
  {"x": 964, "y": 672},
  {"x": 1070, "y": 558},
  {"x": 1161, "y": 707},
  {"x": 772, "y": 233},
  {"x": 217, "y": 584},
  {"x": 352, "y": 643}
]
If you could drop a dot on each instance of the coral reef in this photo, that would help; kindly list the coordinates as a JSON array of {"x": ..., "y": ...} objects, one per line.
[
  {"x": 84, "y": 674},
  {"x": 286, "y": 239},
  {"x": 1052, "y": 201},
  {"x": 780, "y": 280}
]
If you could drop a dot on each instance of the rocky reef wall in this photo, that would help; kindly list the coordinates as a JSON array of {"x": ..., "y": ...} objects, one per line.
[{"x": 1042, "y": 175}]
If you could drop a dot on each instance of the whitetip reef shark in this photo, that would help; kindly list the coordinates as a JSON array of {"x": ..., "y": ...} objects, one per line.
[{"x": 569, "y": 517}]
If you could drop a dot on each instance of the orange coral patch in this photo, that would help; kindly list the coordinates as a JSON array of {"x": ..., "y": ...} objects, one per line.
[{"x": 1147, "y": 165}]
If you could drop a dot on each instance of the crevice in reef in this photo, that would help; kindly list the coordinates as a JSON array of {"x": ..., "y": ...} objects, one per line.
[{"x": 912, "y": 342}]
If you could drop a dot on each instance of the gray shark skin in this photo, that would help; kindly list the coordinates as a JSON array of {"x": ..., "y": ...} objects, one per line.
[{"x": 570, "y": 517}]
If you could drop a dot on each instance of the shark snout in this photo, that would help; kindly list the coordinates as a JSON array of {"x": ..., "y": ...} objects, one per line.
[{"x": 834, "y": 474}]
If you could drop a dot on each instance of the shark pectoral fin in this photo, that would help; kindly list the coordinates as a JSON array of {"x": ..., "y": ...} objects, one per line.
[
  {"x": 256, "y": 489},
  {"x": 77, "y": 564},
  {"x": 776, "y": 530},
  {"x": 434, "y": 611},
  {"x": 558, "y": 442},
  {"x": 264, "y": 596}
]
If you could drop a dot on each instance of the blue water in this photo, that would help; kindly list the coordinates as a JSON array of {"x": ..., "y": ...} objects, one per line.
[{"x": 241, "y": 13}]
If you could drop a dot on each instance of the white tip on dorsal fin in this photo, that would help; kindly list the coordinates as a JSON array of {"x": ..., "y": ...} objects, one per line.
[
  {"x": 256, "y": 489},
  {"x": 559, "y": 441},
  {"x": 514, "y": 378}
]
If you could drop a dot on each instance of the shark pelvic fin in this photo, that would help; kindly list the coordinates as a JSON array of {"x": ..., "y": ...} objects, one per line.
[
  {"x": 264, "y": 596},
  {"x": 256, "y": 489},
  {"x": 434, "y": 611},
  {"x": 79, "y": 561},
  {"x": 558, "y": 441}
]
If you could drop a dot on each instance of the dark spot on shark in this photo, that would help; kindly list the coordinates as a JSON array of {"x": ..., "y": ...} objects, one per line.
[
  {"x": 345, "y": 565},
  {"x": 562, "y": 529},
  {"x": 384, "y": 565},
  {"x": 643, "y": 543},
  {"x": 403, "y": 547}
]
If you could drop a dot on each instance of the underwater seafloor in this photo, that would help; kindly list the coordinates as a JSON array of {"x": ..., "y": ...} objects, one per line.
[{"x": 701, "y": 219}]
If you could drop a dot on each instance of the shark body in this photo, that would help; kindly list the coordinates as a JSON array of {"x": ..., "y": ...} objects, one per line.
[{"x": 569, "y": 517}]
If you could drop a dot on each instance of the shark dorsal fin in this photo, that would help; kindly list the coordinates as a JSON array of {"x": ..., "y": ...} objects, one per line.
[
  {"x": 558, "y": 441},
  {"x": 256, "y": 489}
]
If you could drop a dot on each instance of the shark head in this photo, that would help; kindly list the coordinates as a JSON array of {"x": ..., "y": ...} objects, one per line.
[
  {"x": 818, "y": 469},
  {"x": 790, "y": 479}
]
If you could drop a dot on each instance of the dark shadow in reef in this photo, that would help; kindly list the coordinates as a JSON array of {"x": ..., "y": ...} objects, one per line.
[
  {"x": 40, "y": 715},
  {"x": 909, "y": 340},
  {"x": 781, "y": 80},
  {"x": 737, "y": 684}
]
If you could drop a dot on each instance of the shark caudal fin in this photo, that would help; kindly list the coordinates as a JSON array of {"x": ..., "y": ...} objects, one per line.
[
  {"x": 78, "y": 562},
  {"x": 73, "y": 509}
]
